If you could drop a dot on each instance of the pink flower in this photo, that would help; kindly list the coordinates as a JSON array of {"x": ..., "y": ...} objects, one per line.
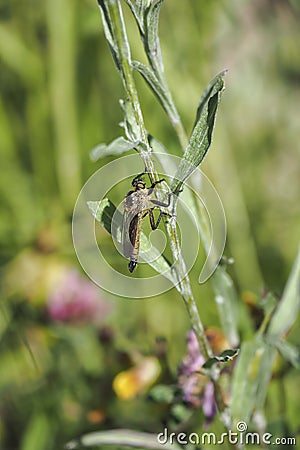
[{"x": 75, "y": 299}]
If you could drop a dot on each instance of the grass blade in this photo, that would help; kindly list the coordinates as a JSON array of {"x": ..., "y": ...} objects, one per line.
[{"x": 288, "y": 307}]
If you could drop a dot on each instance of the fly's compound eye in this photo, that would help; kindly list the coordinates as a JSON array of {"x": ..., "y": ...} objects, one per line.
[{"x": 139, "y": 184}]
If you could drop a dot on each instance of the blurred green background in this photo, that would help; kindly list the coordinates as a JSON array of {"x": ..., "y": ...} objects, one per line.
[{"x": 59, "y": 98}]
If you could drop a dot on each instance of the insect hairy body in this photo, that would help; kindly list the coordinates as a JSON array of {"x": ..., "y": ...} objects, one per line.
[{"x": 138, "y": 204}]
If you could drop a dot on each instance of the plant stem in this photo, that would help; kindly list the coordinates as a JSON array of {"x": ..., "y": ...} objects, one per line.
[
  {"x": 116, "y": 15},
  {"x": 124, "y": 60}
]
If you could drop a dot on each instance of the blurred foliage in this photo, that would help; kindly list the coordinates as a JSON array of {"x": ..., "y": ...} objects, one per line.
[{"x": 59, "y": 99}]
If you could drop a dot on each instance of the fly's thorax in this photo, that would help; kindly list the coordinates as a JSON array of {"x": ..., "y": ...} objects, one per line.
[{"x": 137, "y": 201}]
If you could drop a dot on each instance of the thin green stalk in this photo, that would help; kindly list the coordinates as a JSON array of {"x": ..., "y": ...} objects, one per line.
[
  {"x": 124, "y": 61},
  {"x": 116, "y": 15}
]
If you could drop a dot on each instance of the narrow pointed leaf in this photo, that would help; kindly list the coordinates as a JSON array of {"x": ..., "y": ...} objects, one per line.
[
  {"x": 227, "y": 303},
  {"x": 225, "y": 356},
  {"x": 151, "y": 79},
  {"x": 245, "y": 382},
  {"x": 121, "y": 438},
  {"x": 208, "y": 92},
  {"x": 251, "y": 379},
  {"x": 116, "y": 147},
  {"x": 264, "y": 375},
  {"x": 289, "y": 352},
  {"x": 288, "y": 307},
  {"x": 201, "y": 137},
  {"x": 137, "y": 8},
  {"x": 108, "y": 31},
  {"x": 151, "y": 32}
]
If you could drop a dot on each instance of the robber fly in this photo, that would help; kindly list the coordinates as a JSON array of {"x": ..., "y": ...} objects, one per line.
[{"x": 137, "y": 205}]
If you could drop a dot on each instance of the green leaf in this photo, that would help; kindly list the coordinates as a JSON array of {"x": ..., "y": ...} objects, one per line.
[
  {"x": 225, "y": 356},
  {"x": 137, "y": 8},
  {"x": 132, "y": 129},
  {"x": 288, "y": 307},
  {"x": 251, "y": 378},
  {"x": 121, "y": 438},
  {"x": 163, "y": 393},
  {"x": 151, "y": 32},
  {"x": 268, "y": 303},
  {"x": 226, "y": 300},
  {"x": 116, "y": 147},
  {"x": 289, "y": 352},
  {"x": 37, "y": 434},
  {"x": 154, "y": 84},
  {"x": 265, "y": 374},
  {"x": 179, "y": 414},
  {"x": 201, "y": 137},
  {"x": 254, "y": 368},
  {"x": 108, "y": 31},
  {"x": 228, "y": 355},
  {"x": 103, "y": 211},
  {"x": 244, "y": 384}
]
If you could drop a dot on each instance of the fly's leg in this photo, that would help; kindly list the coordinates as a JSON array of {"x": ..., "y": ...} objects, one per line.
[
  {"x": 158, "y": 202},
  {"x": 164, "y": 205},
  {"x": 154, "y": 225},
  {"x": 139, "y": 176},
  {"x": 151, "y": 188}
]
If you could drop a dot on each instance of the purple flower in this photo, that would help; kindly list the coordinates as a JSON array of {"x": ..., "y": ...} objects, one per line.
[
  {"x": 208, "y": 403},
  {"x": 193, "y": 360},
  {"x": 75, "y": 299},
  {"x": 197, "y": 389}
]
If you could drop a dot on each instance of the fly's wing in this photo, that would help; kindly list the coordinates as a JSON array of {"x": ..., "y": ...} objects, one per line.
[{"x": 130, "y": 225}]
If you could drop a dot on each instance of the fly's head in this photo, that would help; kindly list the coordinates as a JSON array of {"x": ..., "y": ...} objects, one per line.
[{"x": 138, "y": 184}]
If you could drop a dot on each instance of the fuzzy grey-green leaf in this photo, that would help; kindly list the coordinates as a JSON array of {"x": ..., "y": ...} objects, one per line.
[
  {"x": 151, "y": 79},
  {"x": 137, "y": 9},
  {"x": 120, "y": 438},
  {"x": 108, "y": 31},
  {"x": 201, "y": 136},
  {"x": 151, "y": 33},
  {"x": 116, "y": 147},
  {"x": 130, "y": 125}
]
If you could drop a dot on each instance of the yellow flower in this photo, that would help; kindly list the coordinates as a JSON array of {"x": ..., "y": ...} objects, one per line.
[{"x": 129, "y": 383}]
